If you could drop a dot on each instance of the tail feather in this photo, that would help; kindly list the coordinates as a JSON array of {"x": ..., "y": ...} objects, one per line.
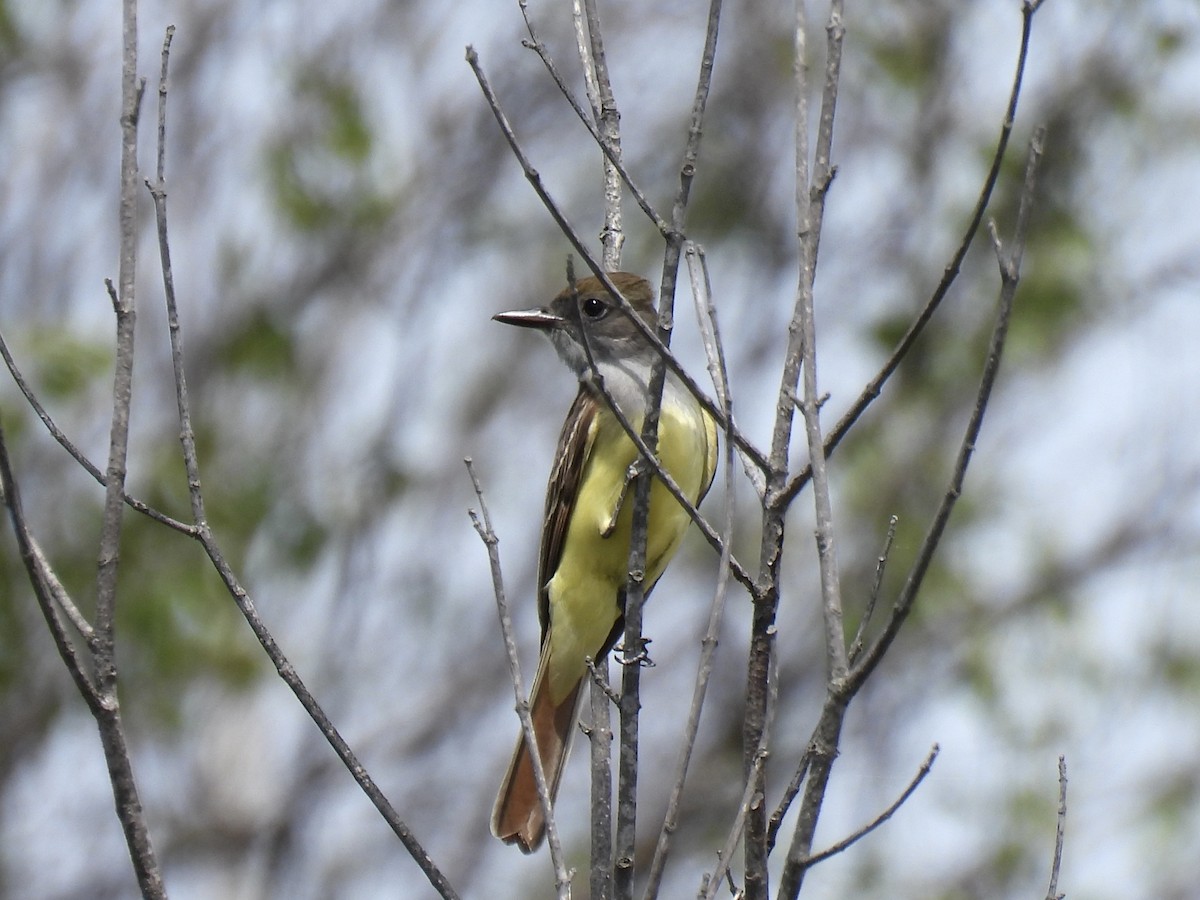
[{"x": 517, "y": 817}]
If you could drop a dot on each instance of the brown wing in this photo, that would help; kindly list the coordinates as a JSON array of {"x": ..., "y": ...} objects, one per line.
[{"x": 574, "y": 446}]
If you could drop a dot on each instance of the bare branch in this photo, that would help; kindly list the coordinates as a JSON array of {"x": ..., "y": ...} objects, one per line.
[
  {"x": 751, "y": 798},
  {"x": 45, "y": 584},
  {"x": 612, "y": 155},
  {"x": 582, "y": 47},
  {"x": 810, "y": 212},
  {"x": 789, "y": 794},
  {"x": 595, "y": 61},
  {"x": 107, "y": 710},
  {"x": 1010, "y": 276},
  {"x": 821, "y": 752},
  {"x": 600, "y": 738},
  {"x": 874, "y": 387},
  {"x": 158, "y": 191},
  {"x": 63, "y": 441},
  {"x": 1052, "y": 892},
  {"x": 607, "y": 119},
  {"x": 483, "y": 527},
  {"x": 879, "y": 819},
  {"x": 125, "y": 309},
  {"x": 810, "y": 190},
  {"x": 625, "y": 842},
  {"x": 635, "y": 587},
  {"x": 290, "y": 677},
  {"x": 868, "y": 613},
  {"x": 203, "y": 533},
  {"x": 706, "y": 314}
]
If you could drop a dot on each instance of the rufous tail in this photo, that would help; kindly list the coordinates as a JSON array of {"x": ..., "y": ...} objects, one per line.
[{"x": 517, "y": 817}]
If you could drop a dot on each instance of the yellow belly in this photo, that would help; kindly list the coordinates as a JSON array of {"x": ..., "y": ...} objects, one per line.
[{"x": 593, "y": 569}]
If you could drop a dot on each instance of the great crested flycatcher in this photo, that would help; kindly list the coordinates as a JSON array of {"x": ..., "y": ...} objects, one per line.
[{"x": 584, "y": 559}]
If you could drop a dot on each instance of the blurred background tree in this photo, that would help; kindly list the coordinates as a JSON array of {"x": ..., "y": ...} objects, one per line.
[{"x": 345, "y": 220}]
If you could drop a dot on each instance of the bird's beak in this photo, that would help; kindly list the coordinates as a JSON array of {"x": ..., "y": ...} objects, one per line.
[{"x": 529, "y": 318}]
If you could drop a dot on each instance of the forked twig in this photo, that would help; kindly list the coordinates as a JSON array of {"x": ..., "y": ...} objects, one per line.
[
  {"x": 75, "y": 453},
  {"x": 611, "y": 154},
  {"x": 836, "y": 702},
  {"x": 874, "y": 387},
  {"x": 862, "y": 832},
  {"x": 1010, "y": 273},
  {"x": 203, "y": 533},
  {"x": 810, "y": 192}
]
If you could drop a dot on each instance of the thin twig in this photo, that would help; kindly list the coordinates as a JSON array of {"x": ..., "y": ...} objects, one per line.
[
  {"x": 868, "y": 613},
  {"x": 842, "y": 691},
  {"x": 482, "y": 521},
  {"x": 58, "y": 593},
  {"x": 862, "y": 832},
  {"x": 811, "y": 186},
  {"x": 43, "y": 587},
  {"x": 595, "y": 60},
  {"x": 1052, "y": 892},
  {"x": 837, "y": 701},
  {"x": 600, "y": 738},
  {"x": 789, "y": 794},
  {"x": 107, "y": 712},
  {"x": 158, "y": 192},
  {"x": 635, "y": 587},
  {"x": 203, "y": 533},
  {"x": 822, "y": 751},
  {"x": 1010, "y": 277},
  {"x": 590, "y": 122},
  {"x": 751, "y": 798},
  {"x": 625, "y": 841},
  {"x": 810, "y": 210},
  {"x": 715, "y": 353},
  {"x": 291, "y": 678},
  {"x": 799, "y": 858},
  {"x": 600, "y": 679},
  {"x": 582, "y": 47},
  {"x": 63, "y": 441}
]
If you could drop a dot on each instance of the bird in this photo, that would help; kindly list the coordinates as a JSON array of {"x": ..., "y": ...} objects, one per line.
[{"x": 587, "y": 523}]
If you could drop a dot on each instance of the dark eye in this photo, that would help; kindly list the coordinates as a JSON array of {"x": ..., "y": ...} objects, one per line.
[{"x": 593, "y": 307}]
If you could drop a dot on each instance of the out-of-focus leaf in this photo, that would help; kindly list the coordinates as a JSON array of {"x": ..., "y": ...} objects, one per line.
[
  {"x": 63, "y": 363},
  {"x": 259, "y": 347}
]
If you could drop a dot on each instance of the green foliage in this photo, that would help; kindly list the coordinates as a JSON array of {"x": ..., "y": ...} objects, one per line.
[
  {"x": 64, "y": 363},
  {"x": 10, "y": 37},
  {"x": 908, "y": 61},
  {"x": 1053, "y": 294},
  {"x": 178, "y": 617},
  {"x": 320, "y": 169},
  {"x": 260, "y": 348}
]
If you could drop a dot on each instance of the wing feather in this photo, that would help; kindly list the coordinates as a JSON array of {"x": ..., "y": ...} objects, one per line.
[{"x": 574, "y": 447}]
